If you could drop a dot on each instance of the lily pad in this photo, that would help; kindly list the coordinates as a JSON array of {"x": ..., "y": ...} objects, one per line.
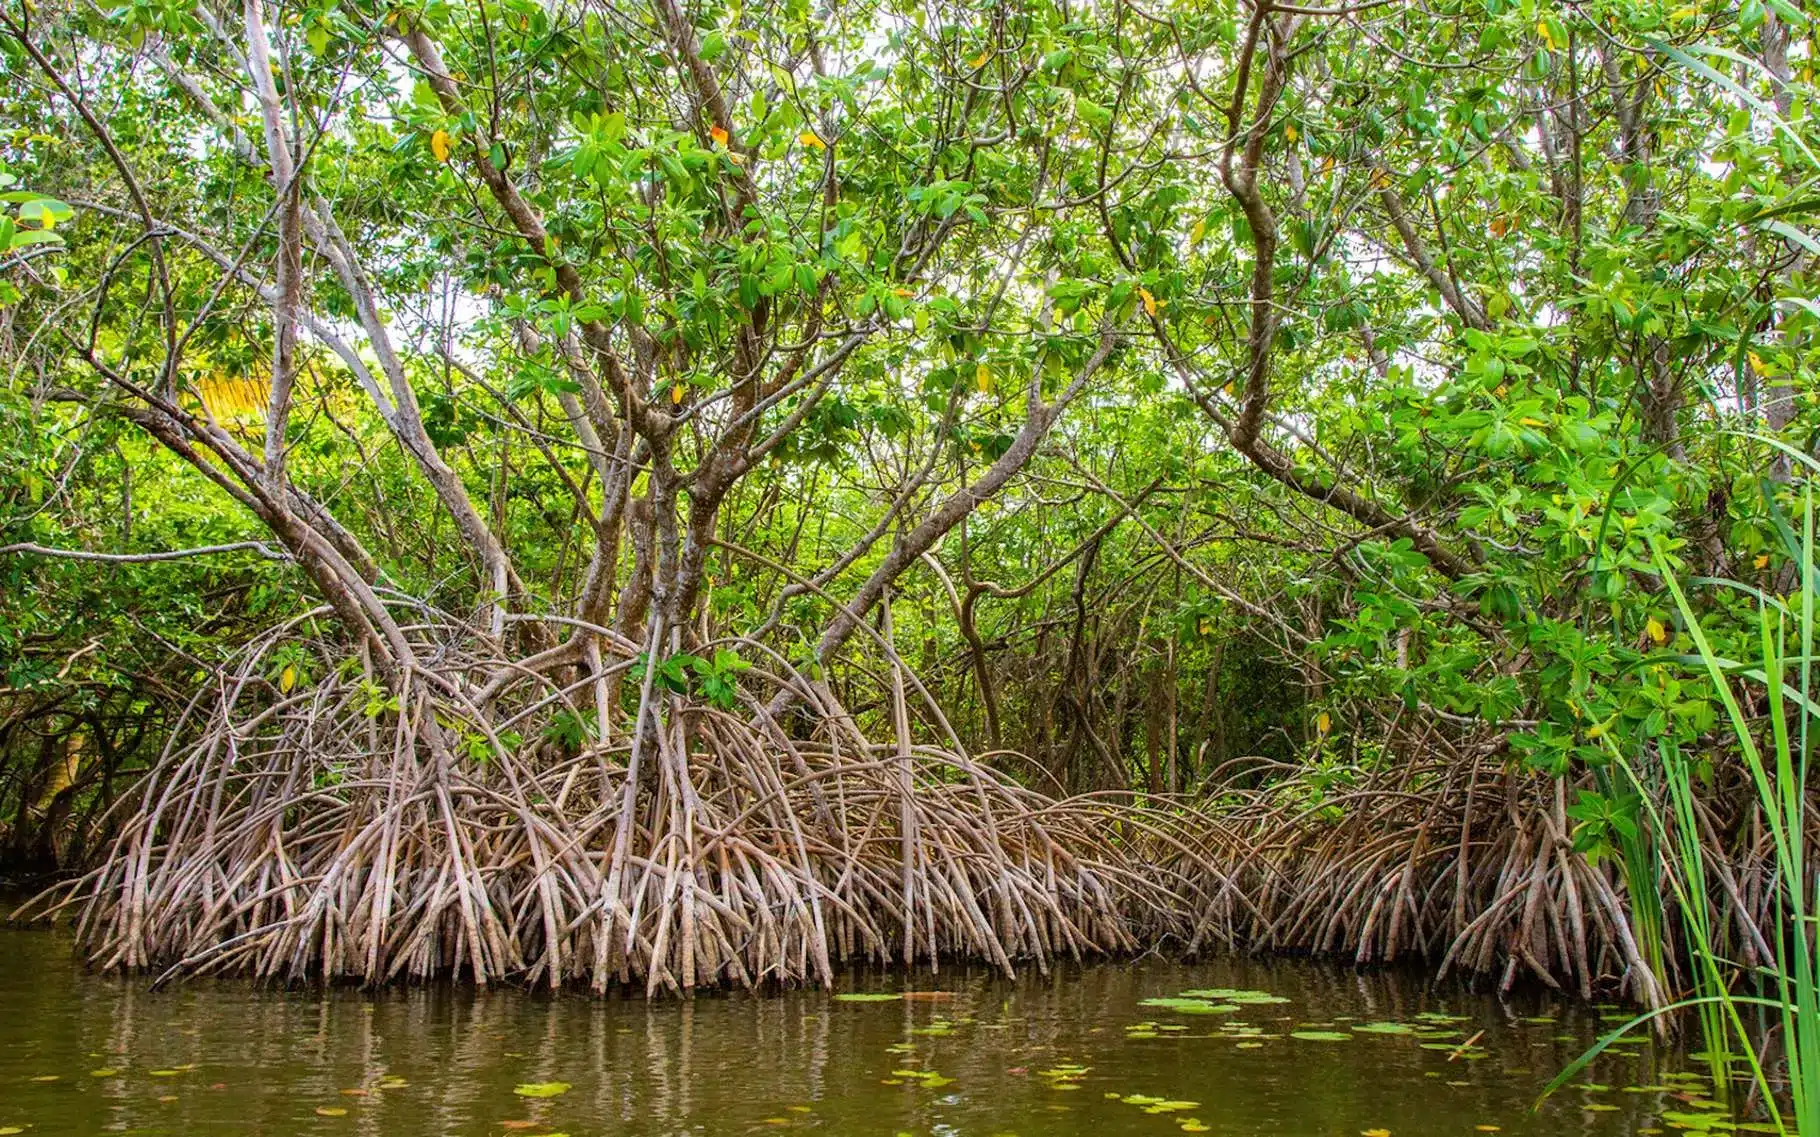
[
  {"x": 1189, "y": 1006},
  {"x": 1384, "y": 1028},
  {"x": 541, "y": 1089}
]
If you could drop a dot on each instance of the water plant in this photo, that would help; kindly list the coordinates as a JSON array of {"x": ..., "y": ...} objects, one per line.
[{"x": 1769, "y": 708}]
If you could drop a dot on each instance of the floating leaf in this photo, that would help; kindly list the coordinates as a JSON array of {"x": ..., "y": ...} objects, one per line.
[
  {"x": 1384, "y": 1028},
  {"x": 330, "y": 1111},
  {"x": 867, "y": 997},
  {"x": 1321, "y": 1035},
  {"x": 1189, "y": 1006},
  {"x": 104, "y": 1072},
  {"x": 541, "y": 1089}
]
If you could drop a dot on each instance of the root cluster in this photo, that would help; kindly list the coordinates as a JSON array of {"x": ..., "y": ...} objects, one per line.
[
  {"x": 477, "y": 821},
  {"x": 434, "y": 825}
]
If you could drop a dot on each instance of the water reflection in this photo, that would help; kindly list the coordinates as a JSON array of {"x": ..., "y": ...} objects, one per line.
[{"x": 87, "y": 1054}]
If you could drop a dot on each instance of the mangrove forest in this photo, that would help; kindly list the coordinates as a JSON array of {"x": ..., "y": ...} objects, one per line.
[{"x": 713, "y": 565}]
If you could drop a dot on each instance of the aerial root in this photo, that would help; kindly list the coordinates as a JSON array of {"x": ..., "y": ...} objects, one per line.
[
  {"x": 451, "y": 824},
  {"x": 338, "y": 832}
]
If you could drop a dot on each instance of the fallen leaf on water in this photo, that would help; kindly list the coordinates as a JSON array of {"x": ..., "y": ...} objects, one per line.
[
  {"x": 1374, "y": 1133},
  {"x": 541, "y": 1089},
  {"x": 104, "y": 1072},
  {"x": 167, "y": 1098},
  {"x": 518, "y": 1123},
  {"x": 354, "y": 1093},
  {"x": 46, "y": 1078},
  {"x": 1486, "y": 1128},
  {"x": 330, "y": 1111},
  {"x": 867, "y": 997},
  {"x": 9, "y": 1130}
]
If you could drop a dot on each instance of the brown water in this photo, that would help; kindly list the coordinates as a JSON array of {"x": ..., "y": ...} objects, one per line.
[{"x": 82, "y": 1054}]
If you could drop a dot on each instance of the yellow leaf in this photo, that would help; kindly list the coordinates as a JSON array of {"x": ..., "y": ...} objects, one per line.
[
  {"x": 1658, "y": 634},
  {"x": 287, "y": 678},
  {"x": 1200, "y": 230},
  {"x": 1530, "y": 420},
  {"x": 1324, "y": 722},
  {"x": 1374, "y": 1133},
  {"x": 979, "y": 60},
  {"x": 676, "y": 393},
  {"x": 718, "y": 135},
  {"x": 1762, "y": 560},
  {"x": 439, "y": 145},
  {"x": 982, "y": 375},
  {"x": 1149, "y": 301},
  {"x": 1289, "y": 132},
  {"x": 1757, "y": 364},
  {"x": 810, "y": 138}
]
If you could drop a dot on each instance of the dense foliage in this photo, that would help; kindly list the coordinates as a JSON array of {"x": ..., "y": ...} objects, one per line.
[{"x": 1215, "y": 395}]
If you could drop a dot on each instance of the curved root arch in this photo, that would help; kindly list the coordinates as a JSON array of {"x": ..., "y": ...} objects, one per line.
[{"x": 454, "y": 822}]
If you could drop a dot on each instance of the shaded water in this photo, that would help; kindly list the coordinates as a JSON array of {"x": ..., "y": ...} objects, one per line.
[{"x": 82, "y": 1054}]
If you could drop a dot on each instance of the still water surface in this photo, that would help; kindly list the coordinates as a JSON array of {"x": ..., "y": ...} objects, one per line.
[{"x": 84, "y": 1054}]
